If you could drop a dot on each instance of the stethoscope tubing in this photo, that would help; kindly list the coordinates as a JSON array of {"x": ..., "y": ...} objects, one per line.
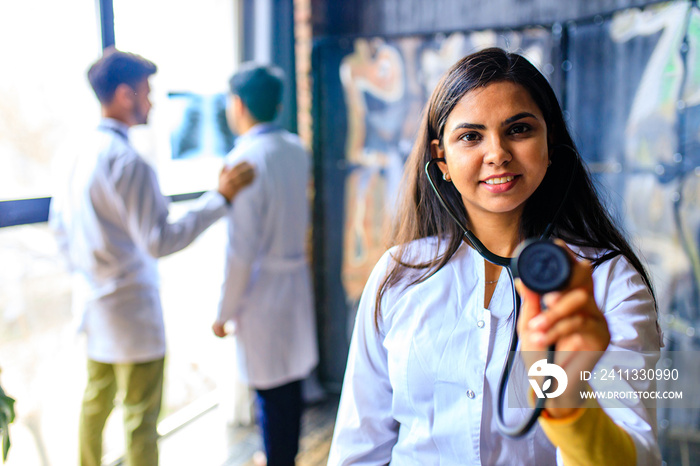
[{"x": 516, "y": 431}]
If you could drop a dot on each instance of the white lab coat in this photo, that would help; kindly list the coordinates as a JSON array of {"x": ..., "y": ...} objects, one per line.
[
  {"x": 422, "y": 390},
  {"x": 111, "y": 222},
  {"x": 267, "y": 284}
]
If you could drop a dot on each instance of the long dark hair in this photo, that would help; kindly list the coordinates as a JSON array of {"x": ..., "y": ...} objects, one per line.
[{"x": 583, "y": 221}]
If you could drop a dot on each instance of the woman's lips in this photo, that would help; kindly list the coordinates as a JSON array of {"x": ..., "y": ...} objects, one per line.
[{"x": 500, "y": 184}]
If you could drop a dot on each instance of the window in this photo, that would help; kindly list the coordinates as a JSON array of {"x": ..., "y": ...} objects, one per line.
[
  {"x": 45, "y": 105},
  {"x": 193, "y": 45},
  {"x": 44, "y": 92}
]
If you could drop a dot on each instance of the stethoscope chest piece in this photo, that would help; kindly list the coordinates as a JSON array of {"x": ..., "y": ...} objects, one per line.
[{"x": 541, "y": 265}]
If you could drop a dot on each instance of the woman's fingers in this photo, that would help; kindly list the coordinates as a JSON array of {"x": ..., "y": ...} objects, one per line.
[
  {"x": 568, "y": 303},
  {"x": 570, "y": 317},
  {"x": 575, "y": 324},
  {"x": 551, "y": 298}
]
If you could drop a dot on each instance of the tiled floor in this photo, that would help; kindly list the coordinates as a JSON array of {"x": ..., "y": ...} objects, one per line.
[{"x": 208, "y": 440}]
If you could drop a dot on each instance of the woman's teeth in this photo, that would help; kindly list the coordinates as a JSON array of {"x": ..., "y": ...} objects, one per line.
[{"x": 504, "y": 179}]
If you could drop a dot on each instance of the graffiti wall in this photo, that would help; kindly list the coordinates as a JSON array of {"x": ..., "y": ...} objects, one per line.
[
  {"x": 632, "y": 94},
  {"x": 385, "y": 85},
  {"x": 629, "y": 83}
]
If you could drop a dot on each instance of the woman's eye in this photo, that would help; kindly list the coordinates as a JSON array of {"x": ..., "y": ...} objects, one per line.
[
  {"x": 519, "y": 129},
  {"x": 469, "y": 137}
]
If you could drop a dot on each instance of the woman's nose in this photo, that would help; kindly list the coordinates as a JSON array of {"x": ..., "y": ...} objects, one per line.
[{"x": 497, "y": 151}]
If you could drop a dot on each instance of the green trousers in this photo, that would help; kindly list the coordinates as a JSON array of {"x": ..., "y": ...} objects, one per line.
[{"x": 142, "y": 388}]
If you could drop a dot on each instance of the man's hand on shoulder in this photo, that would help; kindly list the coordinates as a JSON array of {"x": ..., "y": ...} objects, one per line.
[
  {"x": 233, "y": 179},
  {"x": 219, "y": 329}
]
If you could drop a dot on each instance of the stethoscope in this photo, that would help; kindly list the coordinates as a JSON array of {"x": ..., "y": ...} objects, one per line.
[{"x": 543, "y": 267}]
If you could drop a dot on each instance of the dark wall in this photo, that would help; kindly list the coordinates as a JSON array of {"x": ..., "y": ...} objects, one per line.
[
  {"x": 400, "y": 17},
  {"x": 278, "y": 21}
]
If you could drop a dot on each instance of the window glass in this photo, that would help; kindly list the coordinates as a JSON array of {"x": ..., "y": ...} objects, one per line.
[
  {"x": 45, "y": 105},
  {"x": 193, "y": 45},
  {"x": 44, "y": 92}
]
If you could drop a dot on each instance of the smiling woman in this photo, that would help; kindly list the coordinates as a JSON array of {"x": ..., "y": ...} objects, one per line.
[
  {"x": 496, "y": 152},
  {"x": 435, "y": 322}
]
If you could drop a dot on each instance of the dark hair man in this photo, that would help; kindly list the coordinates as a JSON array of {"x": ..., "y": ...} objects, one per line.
[
  {"x": 267, "y": 287},
  {"x": 111, "y": 221}
]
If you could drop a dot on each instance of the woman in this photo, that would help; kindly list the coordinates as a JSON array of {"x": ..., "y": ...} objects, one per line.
[{"x": 434, "y": 323}]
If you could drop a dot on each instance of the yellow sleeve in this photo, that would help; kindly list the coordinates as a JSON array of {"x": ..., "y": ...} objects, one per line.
[{"x": 589, "y": 437}]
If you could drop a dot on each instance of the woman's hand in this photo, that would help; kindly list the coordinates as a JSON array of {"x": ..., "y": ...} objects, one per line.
[{"x": 571, "y": 322}]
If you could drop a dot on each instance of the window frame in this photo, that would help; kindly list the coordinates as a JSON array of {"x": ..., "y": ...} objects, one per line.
[{"x": 15, "y": 212}]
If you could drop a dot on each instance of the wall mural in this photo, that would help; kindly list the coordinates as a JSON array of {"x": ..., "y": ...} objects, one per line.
[
  {"x": 386, "y": 84},
  {"x": 661, "y": 166},
  {"x": 662, "y": 161}
]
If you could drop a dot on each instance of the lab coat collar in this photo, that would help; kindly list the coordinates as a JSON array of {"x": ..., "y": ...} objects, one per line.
[
  {"x": 257, "y": 130},
  {"x": 117, "y": 126}
]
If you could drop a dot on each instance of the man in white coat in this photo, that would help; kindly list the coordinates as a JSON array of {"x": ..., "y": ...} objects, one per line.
[
  {"x": 111, "y": 221},
  {"x": 267, "y": 287}
]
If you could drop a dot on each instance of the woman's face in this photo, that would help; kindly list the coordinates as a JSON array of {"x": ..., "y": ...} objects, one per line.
[{"x": 495, "y": 147}]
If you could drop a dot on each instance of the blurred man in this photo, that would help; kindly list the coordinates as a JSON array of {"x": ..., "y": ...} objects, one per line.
[
  {"x": 267, "y": 288},
  {"x": 111, "y": 221}
]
